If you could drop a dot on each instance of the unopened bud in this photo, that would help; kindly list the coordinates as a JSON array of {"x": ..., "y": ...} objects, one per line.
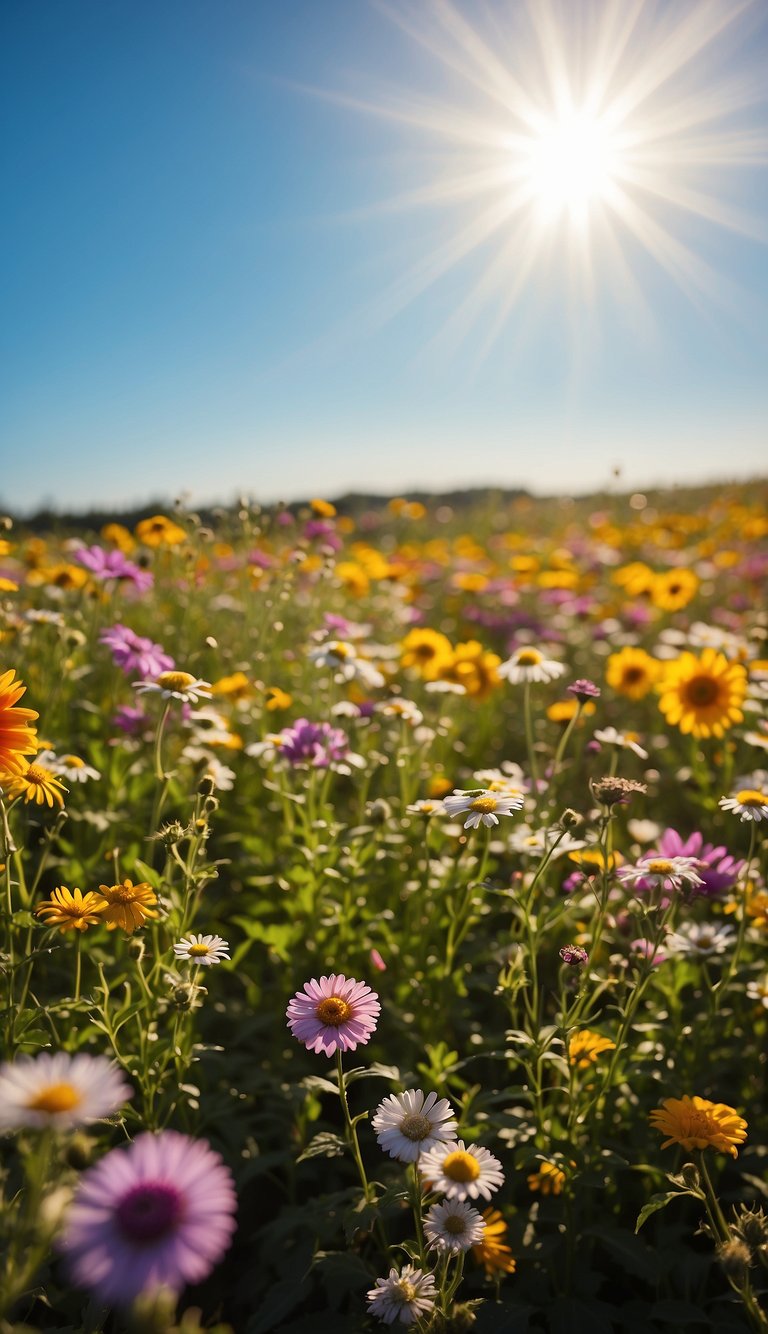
[
  {"x": 136, "y": 948},
  {"x": 570, "y": 819},
  {"x": 79, "y": 1152},
  {"x": 574, "y": 955},
  {"x": 206, "y": 787},
  {"x": 690, "y": 1175},
  {"x": 183, "y": 996},
  {"x": 379, "y": 811},
  {"x": 735, "y": 1258}
]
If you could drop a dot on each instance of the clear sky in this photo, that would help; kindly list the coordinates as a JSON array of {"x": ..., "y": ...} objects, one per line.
[{"x": 294, "y": 247}]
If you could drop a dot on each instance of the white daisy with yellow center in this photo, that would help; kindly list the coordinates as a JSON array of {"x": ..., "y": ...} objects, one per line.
[
  {"x": 204, "y": 950},
  {"x": 482, "y": 806},
  {"x": 453, "y": 1226},
  {"x": 59, "y": 1091},
  {"x": 70, "y": 767},
  {"x": 462, "y": 1172},
  {"x": 748, "y": 804},
  {"x": 529, "y": 664},
  {"x": 408, "y": 1124},
  {"x": 176, "y": 685}
]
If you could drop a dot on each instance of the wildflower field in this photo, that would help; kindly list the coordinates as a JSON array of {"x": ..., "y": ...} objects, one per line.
[{"x": 385, "y": 919}]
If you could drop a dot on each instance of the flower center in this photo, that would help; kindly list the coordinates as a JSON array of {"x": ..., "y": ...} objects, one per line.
[
  {"x": 415, "y": 1127},
  {"x": 121, "y": 894},
  {"x": 148, "y": 1211},
  {"x": 461, "y": 1166},
  {"x": 340, "y": 650},
  {"x": 404, "y": 1290},
  {"x": 333, "y": 1010},
  {"x": 174, "y": 680},
  {"x": 198, "y": 951},
  {"x": 632, "y": 675},
  {"x": 455, "y": 1224},
  {"x": 749, "y": 797},
  {"x": 36, "y": 774},
  {"x": 56, "y": 1098},
  {"x": 483, "y": 804},
  {"x": 701, "y": 691},
  {"x": 659, "y": 866},
  {"x": 73, "y": 761},
  {"x": 528, "y": 657}
]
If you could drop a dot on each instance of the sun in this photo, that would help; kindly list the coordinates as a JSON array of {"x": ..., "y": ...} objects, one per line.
[{"x": 573, "y": 164}]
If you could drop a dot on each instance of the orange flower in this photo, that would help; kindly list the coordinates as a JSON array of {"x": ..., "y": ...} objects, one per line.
[
  {"x": 697, "y": 1123},
  {"x": 492, "y": 1252},
  {"x": 17, "y": 738},
  {"x": 127, "y": 905}
]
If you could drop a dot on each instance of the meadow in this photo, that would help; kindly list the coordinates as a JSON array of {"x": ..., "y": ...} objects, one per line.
[{"x": 385, "y": 918}]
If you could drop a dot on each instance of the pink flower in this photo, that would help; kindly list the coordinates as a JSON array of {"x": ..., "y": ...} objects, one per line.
[
  {"x": 335, "y": 1014},
  {"x": 378, "y": 962}
]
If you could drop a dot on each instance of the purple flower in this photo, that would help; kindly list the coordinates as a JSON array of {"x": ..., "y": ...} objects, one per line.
[
  {"x": 335, "y": 1014},
  {"x": 130, "y": 720},
  {"x": 113, "y": 565},
  {"x": 317, "y": 744},
  {"x": 136, "y": 655},
  {"x": 574, "y": 955},
  {"x": 157, "y": 1213},
  {"x": 718, "y": 870},
  {"x": 584, "y": 689}
]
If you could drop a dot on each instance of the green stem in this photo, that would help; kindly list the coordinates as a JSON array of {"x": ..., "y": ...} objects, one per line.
[
  {"x": 351, "y": 1128},
  {"x": 529, "y": 739}
]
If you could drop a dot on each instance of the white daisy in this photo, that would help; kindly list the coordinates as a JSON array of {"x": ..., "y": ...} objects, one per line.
[
  {"x": 405, "y": 1296},
  {"x": 204, "y": 950},
  {"x": 535, "y": 842},
  {"x": 483, "y": 806},
  {"x": 748, "y": 804},
  {"x": 460, "y": 1172},
  {"x": 222, "y": 777},
  {"x": 445, "y": 688},
  {"x": 529, "y": 664},
  {"x": 407, "y": 1124},
  {"x": 176, "y": 685},
  {"x": 665, "y": 872},
  {"x": 40, "y": 616},
  {"x": 758, "y": 991},
  {"x": 700, "y": 939},
  {"x": 427, "y": 807},
  {"x": 405, "y": 709},
  {"x": 608, "y": 736},
  {"x": 453, "y": 1226},
  {"x": 70, "y": 767},
  {"x": 346, "y": 663},
  {"x": 268, "y": 748},
  {"x": 59, "y": 1091}
]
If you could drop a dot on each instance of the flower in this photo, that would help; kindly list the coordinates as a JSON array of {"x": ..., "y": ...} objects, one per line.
[
  {"x": 344, "y": 660},
  {"x": 473, "y": 668},
  {"x": 428, "y": 651},
  {"x": 718, "y": 870},
  {"x": 491, "y": 1251},
  {"x": 549, "y": 1179},
  {"x": 17, "y": 738},
  {"x": 176, "y": 685},
  {"x": 107, "y": 565},
  {"x": 405, "y": 1296},
  {"x": 453, "y": 1226},
  {"x": 616, "y": 791},
  {"x": 697, "y": 1123},
  {"x": 335, "y": 1014},
  {"x": 35, "y": 783},
  {"x": 484, "y": 807},
  {"x": 459, "y": 1172},
  {"x": 158, "y": 1213},
  {"x": 58, "y": 1090},
  {"x": 758, "y": 990},
  {"x": 703, "y": 696},
  {"x": 585, "y": 1046},
  {"x": 70, "y": 767},
  {"x": 674, "y": 589},
  {"x": 608, "y": 736},
  {"x": 136, "y": 655},
  {"x": 427, "y": 808},
  {"x": 407, "y": 1124},
  {"x": 205, "y": 950},
  {"x": 127, "y": 905},
  {"x": 584, "y": 690},
  {"x": 661, "y": 872},
  {"x": 71, "y": 910},
  {"x": 317, "y": 744},
  {"x": 574, "y": 955},
  {"x": 748, "y": 804},
  {"x": 159, "y": 531},
  {"x": 632, "y": 672},
  {"x": 700, "y": 940},
  {"x": 529, "y": 664}
]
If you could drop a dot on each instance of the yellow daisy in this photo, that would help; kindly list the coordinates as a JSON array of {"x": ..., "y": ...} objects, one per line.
[
  {"x": 632, "y": 672},
  {"x": 127, "y": 905},
  {"x": 697, "y": 1123},
  {"x": 703, "y": 696},
  {"x": 71, "y": 910},
  {"x": 36, "y": 784},
  {"x": 492, "y": 1252},
  {"x": 585, "y": 1046}
]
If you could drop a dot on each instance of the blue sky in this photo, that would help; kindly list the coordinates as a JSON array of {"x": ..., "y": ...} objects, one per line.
[{"x": 201, "y": 293}]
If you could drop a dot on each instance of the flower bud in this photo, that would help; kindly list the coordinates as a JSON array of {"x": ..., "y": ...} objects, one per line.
[
  {"x": 570, "y": 819},
  {"x": 735, "y": 1258},
  {"x": 574, "y": 955}
]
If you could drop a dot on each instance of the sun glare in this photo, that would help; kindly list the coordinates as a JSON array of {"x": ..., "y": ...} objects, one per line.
[{"x": 572, "y": 165}]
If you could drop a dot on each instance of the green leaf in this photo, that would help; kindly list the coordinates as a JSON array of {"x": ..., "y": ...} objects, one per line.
[
  {"x": 324, "y": 1145},
  {"x": 655, "y": 1203}
]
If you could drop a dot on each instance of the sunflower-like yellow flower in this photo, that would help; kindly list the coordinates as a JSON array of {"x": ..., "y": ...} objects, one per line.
[
  {"x": 426, "y": 650},
  {"x": 674, "y": 589},
  {"x": 697, "y": 1123},
  {"x": 277, "y": 699},
  {"x": 549, "y": 1179},
  {"x": 492, "y": 1252},
  {"x": 235, "y": 687},
  {"x": 127, "y": 905},
  {"x": 71, "y": 910},
  {"x": 159, "y": 531},
  {"x": 473, "y": 667},
  {"x": 585, "y": 1046},
  {"x": 703, "y": 696},
  {"x": 34, "y": 783},
  {"x": 17, "y": 738},
  {"x": 632, "y": 672}
]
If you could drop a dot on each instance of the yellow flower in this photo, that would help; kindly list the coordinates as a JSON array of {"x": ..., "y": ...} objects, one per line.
[
  {"x": 62, "y": 576},
  {"x": 119, "y": 537},
  {"x": 632, "y": 672},
  {"x": 492, "y": 1252},
  {"x": 36, "y": 784},
  {"x": 427, "y": 650},
  {"x": 674, "y": 589},
  {"x": 703, "y": 696},
  {"x": 278, "y": 699},
  {"x": 591, "y": 860},
  {"x": 353, "y": 577},
  {"x": 438, "y": 786},
  {"x": 323, "y": 508},
  {"x": 636, "y": 579},
  {"x": 549, "y": 1179},
  {"x": 71, "y": 910},
  {"x": 697, "y": 1123},
  {"x": 756, "y": 906},
  {"x": 159, "y": 531},
  {"x": 469, "y": 581},
  {"x": 564, "y": 709},
  {"x": 237, "y": 686},
  {"x": 17, "y": 738},
  {"x": 127, "y": 905},
  {"x": 472, "y": 667},
  {"x": 8, "y": 585},
  {"x": 585, "y": 1046}
]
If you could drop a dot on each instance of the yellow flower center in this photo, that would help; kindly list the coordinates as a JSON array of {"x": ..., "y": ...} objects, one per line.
[
  {"x": 415, "y": 1127},
  {"x": 38, "y": 775},
  {"x": 198, "y": 951},
  {"x": 123, "y": 893},
  {"x": 461, "y": 1166},
  {"x": 659, "y": 866},
  {"x": 73, "y": 761},
  {"x": 174, "y": 680},
  {"x": 701, "y": 691},
  {"x": 405, "y": 1290},
  {"x": 750, "y": 797},
  {"x": 333, "y": 1010},
  {"x": 528, "y": 657},
  {"x": 633, "y": 675},
  {"x": 340, "y": 650},
  {"x": 56, "y": 1098},
  {"x": 484, "y": 804}
]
